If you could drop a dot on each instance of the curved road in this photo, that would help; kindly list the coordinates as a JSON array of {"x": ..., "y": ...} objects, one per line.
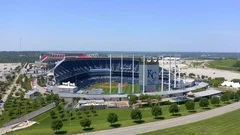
[{"x": 152, "y": 126}]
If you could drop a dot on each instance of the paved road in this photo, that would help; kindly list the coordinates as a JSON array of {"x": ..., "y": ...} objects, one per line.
[
  {"x": 152, "y": 126},
  {"x": 42, "y": 90}
]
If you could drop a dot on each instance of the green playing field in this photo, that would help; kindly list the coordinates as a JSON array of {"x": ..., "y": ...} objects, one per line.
[{"x": 127, "y": 88}]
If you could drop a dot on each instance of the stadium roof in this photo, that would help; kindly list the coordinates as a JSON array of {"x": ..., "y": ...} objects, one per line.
[{"x": 207, "y": 93}]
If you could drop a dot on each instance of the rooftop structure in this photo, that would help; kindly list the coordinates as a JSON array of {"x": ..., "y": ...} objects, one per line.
[
  {"x": 31, "y": 93},
  {"x": 206, "y": 93},
  {"x": 66, "y": 87}
]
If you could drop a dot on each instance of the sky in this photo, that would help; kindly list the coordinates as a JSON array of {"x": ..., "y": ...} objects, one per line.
[{"x": 120, "y": 25}]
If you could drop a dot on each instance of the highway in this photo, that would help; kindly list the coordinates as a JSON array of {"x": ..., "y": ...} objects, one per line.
[{"x": 152, "y": 126}]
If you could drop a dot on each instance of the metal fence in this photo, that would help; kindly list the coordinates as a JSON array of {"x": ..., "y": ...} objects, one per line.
[{"x": 31, "y": 115}]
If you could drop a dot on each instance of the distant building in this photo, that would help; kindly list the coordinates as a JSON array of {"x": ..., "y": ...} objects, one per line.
[
  {"x": 97, "y": 104},
  {"x": 188, "y": 82},
  {"x": 66, "y": 87},
  {"x": 31, "y": 94}
]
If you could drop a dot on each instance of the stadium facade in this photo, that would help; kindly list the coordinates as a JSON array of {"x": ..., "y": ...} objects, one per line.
[{"x": 87, "y": 69}]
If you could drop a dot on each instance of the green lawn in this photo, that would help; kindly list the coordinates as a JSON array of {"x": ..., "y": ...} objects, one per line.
[
  {"x": 98, "y": 122},
  {"x": 127, "y": 89},
  {"x": 223, "y": 64},
  {"x": 226, "y": 124}
]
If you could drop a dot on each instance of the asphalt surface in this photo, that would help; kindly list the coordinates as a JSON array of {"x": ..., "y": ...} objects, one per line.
[{"x": 152, "y": 126}]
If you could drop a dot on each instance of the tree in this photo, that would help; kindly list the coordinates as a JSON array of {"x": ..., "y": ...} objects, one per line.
[
  {"x": 35, "y": 104},
  {"x": 191, "y": 75},
  {"x": 42, "y": 102},
  {"x": 136, "y": 115},
  {"x": 132, "y": 99},
  {"x": 190, "y": 105},
  {"x": 48, "y": 98},
  {"x": 70, "y": 115},
  {"x": 237, "y": 97},
  {"x": 86, "y": 112},
  {"x": 52, "y": 113},
  {"x": 85, "y": 123},
  {"x": 156, "y": 111},
  {"x": 112, "y": 118},
  {"x": 62, "y": 115},
  {"x": 91, "y": 107},
  {"x": 149, "y": 101},
  {"x": 215, "y": 100},
  {"x": 19, "y": 111},
  {"x": 231, "y": 95},
  {"x": 94, "y": 112},
  {"x": 59, "y": 108},
  {"x": 174, "y": 108},
  {"x": 225, "y": 97},
  {"x": 10, "y": 113},
  {"x": 79, "y": 113},
  {"x": 56, "y": 125},
  {"x": 203, "y": 102},
  {"x": 158, "y": 98},
  {"x": 238, "y": 92}
]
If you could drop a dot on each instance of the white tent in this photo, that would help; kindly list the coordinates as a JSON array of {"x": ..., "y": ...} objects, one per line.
[{"x": 230, "y": 84}]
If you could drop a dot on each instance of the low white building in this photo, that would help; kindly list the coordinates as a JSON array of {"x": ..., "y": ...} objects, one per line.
[
  {"x": 67, "y": 87},
  {"x": 31, "y": 93},
  {"x": 230, "y": 84},
  {"x": 188, "y": 82},
  {"x": 99, "y": 104}
]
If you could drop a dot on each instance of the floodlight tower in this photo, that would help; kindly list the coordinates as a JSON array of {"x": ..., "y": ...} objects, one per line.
[
  {"x": 179, "y": 72},
  {"x": 121, "y": 72},
  {"x": 162, "y": 73},
  {"x": 110, "y": 79},
  {"x": 143, "y": 73},
  {"x": 133, "y": 74},
  {"x": 175, "y": 71},
  {"x": 169, "y": 75}
]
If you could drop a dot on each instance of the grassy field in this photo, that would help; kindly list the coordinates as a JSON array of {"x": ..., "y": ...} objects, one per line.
[
  {"x": 127, "y": 88},
  {"x": 98, "y": 122},
  {"x": 226, "y": 124},
  {"x": 223, "y": 64}
]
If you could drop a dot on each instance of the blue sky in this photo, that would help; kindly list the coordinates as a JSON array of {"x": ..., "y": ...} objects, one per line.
[{"x": 121, "y": 25}]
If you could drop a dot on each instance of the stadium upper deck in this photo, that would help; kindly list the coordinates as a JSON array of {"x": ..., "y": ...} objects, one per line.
[{"x": 70, "y": 67}]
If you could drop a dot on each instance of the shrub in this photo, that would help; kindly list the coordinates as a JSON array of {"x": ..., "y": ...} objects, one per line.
[
  {"x": 190, "y": 105},
  {"x": 203, "y": 102},
  {"x": 112, "y": 118},
  {"x": 85, "y": 123},
  {"x": 156, "y": 111},
  {"x": 174, "y": 108},
  {"x": 136, "y": 115}
]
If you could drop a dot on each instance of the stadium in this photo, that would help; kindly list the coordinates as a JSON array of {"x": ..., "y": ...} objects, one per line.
[{"x": 116, "y": 74}]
